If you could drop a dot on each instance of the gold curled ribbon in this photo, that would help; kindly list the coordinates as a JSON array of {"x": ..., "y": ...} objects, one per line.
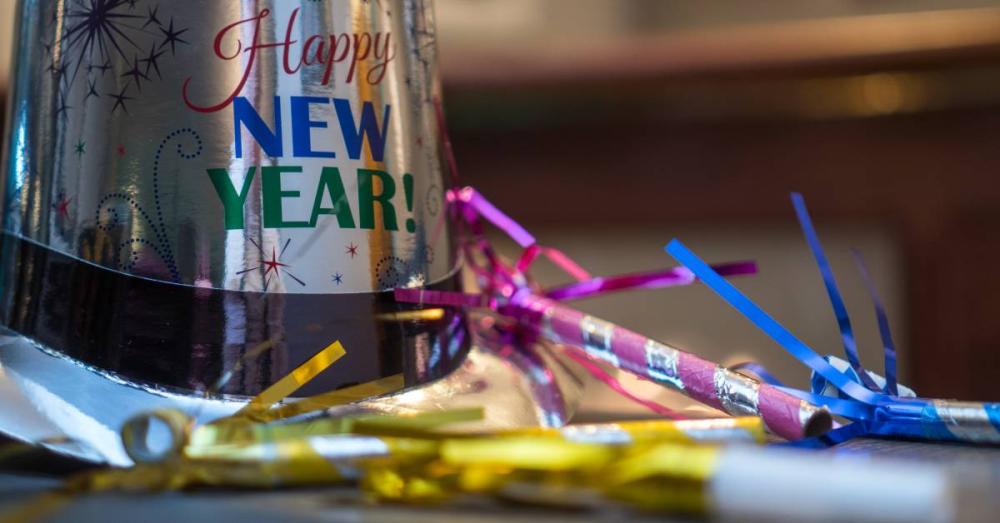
[
  {"x": 294, "y": 380},
  {"x": 431, "y": 314},
  {"x": 662, "y": 476},
  {"x": 233, "y": 429},
  {"x": 221, "y": 438},
  {"x": 135, "y": 435},
  {"x": 665, "y": 477},
  {"x": 646, "y": 464},
  {"x": 721, "y": 430},
  {"x": 523, "y": 452},
  {"x": 422, "y": 425},
  {"x": 333, "y": 398}
]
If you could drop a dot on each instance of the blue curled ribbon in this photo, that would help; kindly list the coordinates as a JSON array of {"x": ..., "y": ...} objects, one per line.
[
  {"x": 843, "y": 320},
  {"x": 874, "y": 410}
]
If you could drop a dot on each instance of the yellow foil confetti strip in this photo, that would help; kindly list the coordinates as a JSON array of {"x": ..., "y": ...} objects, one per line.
[
  {"x": 336, "y": 397},
  {"x": 658, "y": 464},
  {"x": 749, "y": 429},
  {"x": 207, "y": 440},
  {"x": 662, "y": 476},
  {"x": 295, "y": 379}
]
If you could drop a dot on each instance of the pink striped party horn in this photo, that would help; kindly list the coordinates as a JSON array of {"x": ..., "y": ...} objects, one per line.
[
  {"x": 507, "y": 289},
  {"x": 701, "y": 380}
]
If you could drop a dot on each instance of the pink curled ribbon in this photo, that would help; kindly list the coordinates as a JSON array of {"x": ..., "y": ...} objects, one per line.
[{"x": 507, "y": 288}]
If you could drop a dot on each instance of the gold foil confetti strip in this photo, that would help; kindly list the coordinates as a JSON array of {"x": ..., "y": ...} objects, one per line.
[
  {"x": 334, "y": 398},
  {"x": 295, "y": 379},
  {"x": 655, "y": 464},
  {"x": 748, "y": 429}
]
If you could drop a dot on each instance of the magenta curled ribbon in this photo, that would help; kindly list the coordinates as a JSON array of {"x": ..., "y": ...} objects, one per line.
[{"x": 508, "y": 289}]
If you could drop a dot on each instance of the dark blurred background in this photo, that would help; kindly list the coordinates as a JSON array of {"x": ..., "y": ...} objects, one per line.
[{"x": 609, "y": 127}]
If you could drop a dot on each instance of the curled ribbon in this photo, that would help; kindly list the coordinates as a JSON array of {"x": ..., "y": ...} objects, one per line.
[
  {"x": 872, "y": 408},
  {"x": 508, "y": 289}
]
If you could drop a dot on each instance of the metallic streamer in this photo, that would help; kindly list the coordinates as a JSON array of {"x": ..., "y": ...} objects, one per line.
[
  {"x": 967, "y": 421},
  {"x": 661, "y": 364},
  {"x": 737, "y": 393},
  {"x": 597, "y": 339}
]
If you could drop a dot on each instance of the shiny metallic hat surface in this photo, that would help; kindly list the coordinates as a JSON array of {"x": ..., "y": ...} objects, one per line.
[{"x": 201, "y": 195}]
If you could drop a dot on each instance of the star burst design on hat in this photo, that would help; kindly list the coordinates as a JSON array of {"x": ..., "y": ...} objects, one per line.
[
  {"x": 273, "y": 264},
  {"x": 101, "y": 36}
]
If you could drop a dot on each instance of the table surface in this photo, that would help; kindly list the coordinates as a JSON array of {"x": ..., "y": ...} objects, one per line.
[{"x": 21, "y": 480}]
